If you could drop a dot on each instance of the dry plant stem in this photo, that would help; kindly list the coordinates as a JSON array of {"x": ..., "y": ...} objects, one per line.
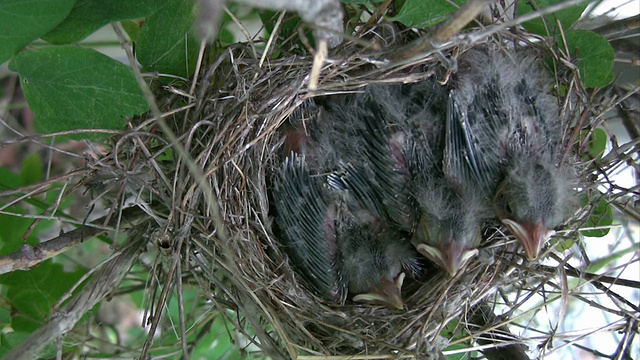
[
  {"x": 630, "y": 118},
  {"x": 197, "y": 192},
  {"x": 571, "y": 340},
  {"x": 174, "y": 272},
  {"x": 614, "y": 296},
  {"x": 29, "y": 256},
  {"x": 373, "y": 19},
  {"x": 218, "y": 284},
  {"x": 620, "y": 29},
  {"x": 205, "y": 82},
  {"x": 318, "y": 61},
  {"x": 477, "y": 36},
  {"x": 268, "y": 48},
  {"x": 595, "y": 277},
  {"x": 101, "y": 284},
  {"x": 41, "y": 184},
  {"x": 359, "y": 357},
  {"x": 62, "y": 133},
  {"x": 492, "y": 30},
  {"x": 445, "y": 31},
  {"x": 459, "y": 20},
  {"x": 630, "y": 332},
  {"x": 244, "y": 31},
  {"x": 183, "y": 327}
]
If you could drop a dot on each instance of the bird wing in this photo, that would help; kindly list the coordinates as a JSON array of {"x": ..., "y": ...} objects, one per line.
[
  {"x": 385, "y": 153},
  {"x": 475, "y": 126},
  {"x": 309, "y": 228},
  {"x": 356, "y": 190},
  {"x": 463, "y": 161},
  {"x": 375, "y": 173}
]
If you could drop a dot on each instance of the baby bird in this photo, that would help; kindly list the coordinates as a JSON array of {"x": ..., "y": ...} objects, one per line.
[
  {"x": 373, "y": 258},
  {"x": 452, "y": 216},
  {"x": 338, "y": 247},
  {"x": 451, "y": 213},
  {"x": 507, "y": 133}
]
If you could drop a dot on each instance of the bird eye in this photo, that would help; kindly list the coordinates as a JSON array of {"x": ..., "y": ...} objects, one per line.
[
  {"x": 507, "y": 206},
  {"x": 502, "y": 203}
]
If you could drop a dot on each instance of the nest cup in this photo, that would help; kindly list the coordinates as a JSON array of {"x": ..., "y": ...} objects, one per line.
[{"x": 232, "y": 132}]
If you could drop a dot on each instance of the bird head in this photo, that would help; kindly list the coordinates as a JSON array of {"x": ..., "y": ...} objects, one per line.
[
  {"x": 387, "y": 292},
  {"x": 531, "y": 201},
  {"x": 450, "y": 246},
  {"x": 373, "y": 261},
  {"x": 448, "y": 231}
]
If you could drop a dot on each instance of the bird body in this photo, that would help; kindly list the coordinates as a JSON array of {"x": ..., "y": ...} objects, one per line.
[{"x": 507, "y": 134}]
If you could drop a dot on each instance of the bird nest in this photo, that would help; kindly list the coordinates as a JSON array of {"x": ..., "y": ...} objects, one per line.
[
  {"x": 201, "y": 168},
  {"x": 218, "y": 219}
]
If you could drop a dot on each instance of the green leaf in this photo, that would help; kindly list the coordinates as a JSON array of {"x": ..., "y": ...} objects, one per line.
[
  {"x": 166, "y": 43},
  {"x": 132, "y": 28},
  {"x": 288, "y": 28},
  {"x": 54, "y": 196},
  {"x": 454, "y": 331},
  {"x": 597, "y": 143},
  {"x": 13, "y": 227},
  {"x": 5, "y": 314},
  {"x": 566, "y": 17},
  {"x": 595, "y": 56},
  {"x": 87, "y": 16},
  {"x": 217, "y": 344},
  {"x": 9, "y": 179},
  {"x": 69, "y": 87},
  {"x": 601, "y": 216},
  {"x": 32, "y": 170},
  {"x": 166, "y": 156},
  {"x": 33, "y": 293},
  {"x": 226, "y": 37},
  {"x": 22, "y": 21},
  {"x": 564, "y": 245},
  {"x": 463, "y": 355},
  {"x": 10, "y": 340},
  {"x": 425, "y": 13}
]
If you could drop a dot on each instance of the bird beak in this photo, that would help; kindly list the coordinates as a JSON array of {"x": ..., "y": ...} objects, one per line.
[
  {"x": 388, "y": 293},
  {"x": 451, "y": 257},
  {"x": 531, "y": 236}
]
